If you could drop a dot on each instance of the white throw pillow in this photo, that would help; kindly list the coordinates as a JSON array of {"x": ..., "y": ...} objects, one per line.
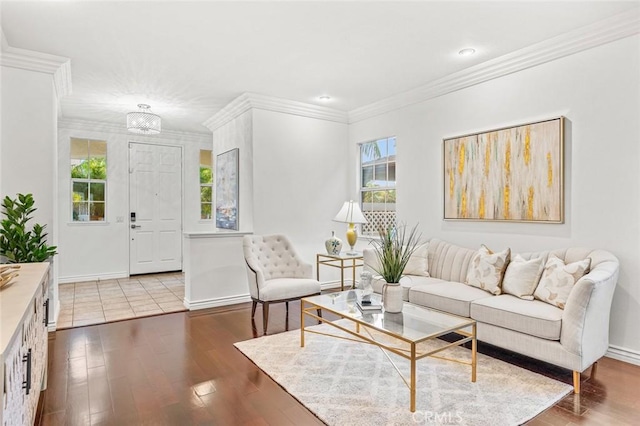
[
  {"x": 558, "y": 280},
  {"x": 418, "y": 263},
  {"x": 487, "y": 269},
  {"x": 522, "y": 276}
]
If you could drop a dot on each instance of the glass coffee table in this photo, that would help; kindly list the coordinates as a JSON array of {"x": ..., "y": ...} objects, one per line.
[{"x": 414, "y": 325}]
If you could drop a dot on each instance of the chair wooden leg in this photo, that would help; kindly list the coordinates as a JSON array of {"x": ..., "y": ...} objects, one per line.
[
  {"x": 594, "y": 369},
  {"x": 253, "y": 308},
  {"x": 576, "y": 382},
  {"x": 265, "y": 316}
]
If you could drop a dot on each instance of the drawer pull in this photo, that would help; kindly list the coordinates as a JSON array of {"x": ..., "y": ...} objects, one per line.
[
  {"x": 26, "y": 384},
  {"x": 46, "y": 312}
]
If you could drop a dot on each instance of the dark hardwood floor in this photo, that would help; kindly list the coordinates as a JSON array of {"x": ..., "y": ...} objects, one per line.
[{"x": 182, "y": 369}]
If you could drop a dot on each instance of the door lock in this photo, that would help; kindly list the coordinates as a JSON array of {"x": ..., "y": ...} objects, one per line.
[{"x": 135, "y": 226}]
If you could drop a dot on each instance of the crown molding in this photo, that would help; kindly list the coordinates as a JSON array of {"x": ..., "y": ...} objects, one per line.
[
  {"x": 58, "y": 66},
  {"x": 303, "y": 109},
  {"x": 108, "y": 127},
  {"x": 233, "y": 109},
  {"x": 615, "y": 28},
  {"x": 247, "y": 101}
]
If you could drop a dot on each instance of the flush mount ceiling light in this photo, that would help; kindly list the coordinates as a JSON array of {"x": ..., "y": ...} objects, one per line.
[
  {"x": 143, "y": 121},
  {"x": 467, "y": 52},
  {"x": 324, "y": 98}
]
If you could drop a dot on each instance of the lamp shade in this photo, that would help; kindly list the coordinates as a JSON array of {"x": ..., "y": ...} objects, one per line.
[
  {"x": 144, "y": 122},
  {"x": 350, "y": 213}
]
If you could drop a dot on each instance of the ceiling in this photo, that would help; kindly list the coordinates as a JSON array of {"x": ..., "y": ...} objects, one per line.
[{"x": 189, "y": 59}]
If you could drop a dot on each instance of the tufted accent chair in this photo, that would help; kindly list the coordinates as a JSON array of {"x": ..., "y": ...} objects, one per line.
[{"x": 276, "y": 273}]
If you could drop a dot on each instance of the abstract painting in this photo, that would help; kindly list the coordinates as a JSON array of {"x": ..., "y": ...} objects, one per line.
[
  {"x": 227, "y": 189},
  {"x": 510, "y": 174}
]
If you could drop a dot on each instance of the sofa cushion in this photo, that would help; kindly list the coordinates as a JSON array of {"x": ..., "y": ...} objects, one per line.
[
  {"x": 522, "y": 276},
  {"x": 418, "y": 262},
  {"x": 525, "y": 316},
  {"x": 448, "y": 296},
  {"x": 487, "y": 269},
  {"x": 407, "y": 282},
  {"x": 448, "y": 261},
  {"x": 558, "y": 279}
]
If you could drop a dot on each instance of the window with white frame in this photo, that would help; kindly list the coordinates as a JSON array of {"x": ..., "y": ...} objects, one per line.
[
  {"x": 88, "y": 180},
  {"x": 378, "y": 184},
  {"x": 206, "y": 183}
]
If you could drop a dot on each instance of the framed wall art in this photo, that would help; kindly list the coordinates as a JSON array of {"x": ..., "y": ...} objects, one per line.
[
  {"x": 509, "y": 174},
  {"x": 227, "y": 189}
]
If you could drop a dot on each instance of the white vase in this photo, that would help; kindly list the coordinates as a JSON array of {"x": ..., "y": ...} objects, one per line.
[
  {"x": 333, "y": 244},
  {"x": 392, "y": 297}
]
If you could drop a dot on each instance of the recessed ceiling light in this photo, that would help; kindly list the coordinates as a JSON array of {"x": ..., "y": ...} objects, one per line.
[
  {"x": 324, "y": 98},
  {"x": 467, "y": 52}
]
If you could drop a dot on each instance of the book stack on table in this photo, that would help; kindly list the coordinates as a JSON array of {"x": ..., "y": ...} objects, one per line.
[{"x": 370, "y": 306}]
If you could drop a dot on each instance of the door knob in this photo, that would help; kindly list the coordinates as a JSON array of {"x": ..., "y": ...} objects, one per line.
[{"x": 135, "y": 226}]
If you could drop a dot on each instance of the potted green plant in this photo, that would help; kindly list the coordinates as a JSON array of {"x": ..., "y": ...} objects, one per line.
[
  {"x": 18, "y": 244},
  {"x": 393, "y": 251}
]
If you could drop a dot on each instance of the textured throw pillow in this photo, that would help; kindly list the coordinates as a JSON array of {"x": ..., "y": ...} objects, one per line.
[
  {"x": 418, "y": 263},
  {"x": 558, "y": 280},
  {"x": 487, "y": 269},
  {"x": 522, "y": 277}
]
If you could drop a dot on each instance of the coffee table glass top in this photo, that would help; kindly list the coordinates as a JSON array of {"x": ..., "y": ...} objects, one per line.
[{"x": 414, "y": 324}]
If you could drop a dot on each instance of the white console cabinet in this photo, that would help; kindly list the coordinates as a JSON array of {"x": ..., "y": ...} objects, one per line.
[{"x": 23, "y": 338}]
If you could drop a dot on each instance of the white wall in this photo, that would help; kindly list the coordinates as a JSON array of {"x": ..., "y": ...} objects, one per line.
[
  {"x": 215, "y": 270},
  {"x": 293, "y": 177},
  {"x": 300, "y": 168},
  {"x": 598, "y": 92},
  {"x": 28, "y": 151},
  {"x": 29, "y": 120},
  {"x": 89, "y": 251}
]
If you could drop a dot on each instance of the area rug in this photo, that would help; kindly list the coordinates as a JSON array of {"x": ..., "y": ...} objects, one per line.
[{"x": 348, "y": 383}]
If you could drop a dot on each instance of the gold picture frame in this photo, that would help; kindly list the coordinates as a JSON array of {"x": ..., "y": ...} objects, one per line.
[{"x": 512, "y": 174}]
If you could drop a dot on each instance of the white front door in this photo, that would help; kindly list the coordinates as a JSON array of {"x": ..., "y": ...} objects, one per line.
[{"x": 155, "y": 203}]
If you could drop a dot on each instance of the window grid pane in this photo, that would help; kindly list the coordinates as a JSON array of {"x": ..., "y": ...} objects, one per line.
[
  {"x": 96, "y": 212},
  {"x": 205, "y": 211},
  {"x": 206, "y": 193}
]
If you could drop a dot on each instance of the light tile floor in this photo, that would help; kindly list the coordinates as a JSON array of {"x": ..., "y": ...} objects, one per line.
[{"x": 96, "y": 302}]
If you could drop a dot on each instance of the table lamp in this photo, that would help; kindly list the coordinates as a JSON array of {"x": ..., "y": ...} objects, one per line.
[{"x": 350, "y": 213}]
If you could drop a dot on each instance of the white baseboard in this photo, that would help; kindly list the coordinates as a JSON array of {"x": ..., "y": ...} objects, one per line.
[
  {"x": 92, "y": 277},
  {"x": 623, "y": 354},
  {"x": 218, "y": 301}
]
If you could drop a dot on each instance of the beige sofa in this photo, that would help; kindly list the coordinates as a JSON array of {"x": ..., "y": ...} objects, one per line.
[{"x": 574, "y": 337}]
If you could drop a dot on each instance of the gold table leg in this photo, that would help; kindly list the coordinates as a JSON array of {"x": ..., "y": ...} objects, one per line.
[
  {"x": 301, "y": 323},
  {"x": 413, "y": 377},
  {"x": 474, "y": 353}
]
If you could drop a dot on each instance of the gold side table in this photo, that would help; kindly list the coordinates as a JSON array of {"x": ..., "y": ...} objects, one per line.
[{"x": 342, "y": 261}]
